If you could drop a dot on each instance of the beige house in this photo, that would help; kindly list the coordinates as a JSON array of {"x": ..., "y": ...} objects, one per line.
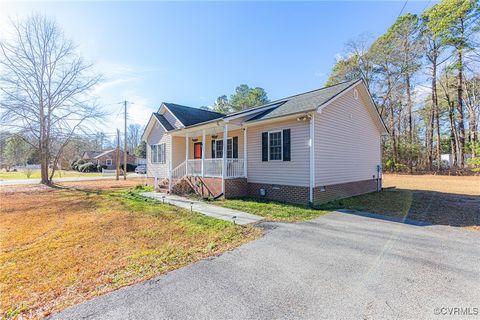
[{"x": 309, "y": 148}]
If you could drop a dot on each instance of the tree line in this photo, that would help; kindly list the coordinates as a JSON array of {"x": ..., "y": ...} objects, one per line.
[{"x": 423, "y": 73}]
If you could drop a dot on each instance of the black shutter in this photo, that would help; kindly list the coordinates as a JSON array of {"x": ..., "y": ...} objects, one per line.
[
  {"x": 286, "y": 145},
  {"x": 235, "y": 147},
  {"x": 213, "y": 149},
  {"x": 264, "y": 146}
]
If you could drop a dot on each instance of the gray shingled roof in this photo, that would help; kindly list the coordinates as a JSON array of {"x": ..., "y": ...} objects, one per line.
[
  {"x": 163, "y": 121},
  {"x": 190, "y": 116},
  {"x": 303, "y": 102}
]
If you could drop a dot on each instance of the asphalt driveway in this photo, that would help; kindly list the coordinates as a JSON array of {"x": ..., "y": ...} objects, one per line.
[{"x": 338, "y": 266}]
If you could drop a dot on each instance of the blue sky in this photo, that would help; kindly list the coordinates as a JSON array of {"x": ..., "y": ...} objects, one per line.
[{"x": 192, "y": 52}]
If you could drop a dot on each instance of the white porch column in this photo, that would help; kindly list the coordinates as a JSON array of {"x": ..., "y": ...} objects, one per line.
[
  {"x": 224, "y": 154},
  {"x": 245, "y": 156},
  {"x": 186, "y": 154},
  {"x": 203, "y": 152}
]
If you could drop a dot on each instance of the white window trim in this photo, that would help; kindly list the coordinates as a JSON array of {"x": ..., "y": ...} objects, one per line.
[
  {"x": 281, "y": 144},
  {"x": 107, "y": 162},
  {"x": 158, "y": 153},
  {"x": 215, "y": 147}
]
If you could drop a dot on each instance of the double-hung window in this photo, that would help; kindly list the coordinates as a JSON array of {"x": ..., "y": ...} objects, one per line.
[
  {"x": 275, "y": 145},
  {"x": 218, "y": 148},
  {"x": 158, "y": 153}
]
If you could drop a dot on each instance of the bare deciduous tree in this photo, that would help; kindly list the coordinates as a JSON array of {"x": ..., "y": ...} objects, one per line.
[
  {"x": 45, "y": 88},
  {"x": 134, "y": 136}
]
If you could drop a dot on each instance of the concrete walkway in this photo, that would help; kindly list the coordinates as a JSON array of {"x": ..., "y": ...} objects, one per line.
[{"x": 207, "y": 209}]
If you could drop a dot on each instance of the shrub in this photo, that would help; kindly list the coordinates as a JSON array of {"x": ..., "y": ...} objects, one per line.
[
  {"x": 390, "y": 164},
  {"x": 28, "y": 172},
  {"x": 474, "y": 163},
  {"x": 87, "y": 167},
  {"x": 77, "y": 164},
  {"x": 73, "y": 164},
  {"x": 100, "y": 167}
]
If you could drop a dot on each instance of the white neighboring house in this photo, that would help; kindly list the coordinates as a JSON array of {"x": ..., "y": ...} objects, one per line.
[
  {"x": 447, "y": 159},
  {"x": 309, "y": 148}
]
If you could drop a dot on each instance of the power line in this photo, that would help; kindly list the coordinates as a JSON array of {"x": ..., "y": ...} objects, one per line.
[{"x": 401, "y": 11}]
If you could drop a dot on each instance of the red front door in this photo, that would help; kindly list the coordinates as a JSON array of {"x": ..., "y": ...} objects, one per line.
[{"x": 197, "y": 150}]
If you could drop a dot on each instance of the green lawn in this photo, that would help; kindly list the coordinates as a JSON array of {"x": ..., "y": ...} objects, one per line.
[
  {"x": 273, "y": 211},
  {"x": 394, "y": 202},
  {"x": 36, "y": 174}
]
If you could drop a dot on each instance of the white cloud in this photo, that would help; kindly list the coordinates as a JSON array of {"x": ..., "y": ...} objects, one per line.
[{"x": 124, "y": 82}]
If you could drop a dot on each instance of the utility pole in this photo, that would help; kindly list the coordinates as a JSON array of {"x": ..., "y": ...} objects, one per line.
[
  {"x": 125, "y": 145},
  {"x": 125, "y": 142},
  {"x": 117, "y": 160}
]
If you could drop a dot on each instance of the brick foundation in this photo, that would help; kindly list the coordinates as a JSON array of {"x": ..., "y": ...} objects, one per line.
[
  {"x": 239, "y": 187},
  {"x": 213, "y": 184},
  {"x": 344, "y": 190},
  {"x": 283, "y": 193},
  {"x": 236, "y": 188}
]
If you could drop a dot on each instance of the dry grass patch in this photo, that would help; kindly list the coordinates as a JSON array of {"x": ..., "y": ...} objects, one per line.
[
  {"x": 60, "y": 247},
  {"x": 445, "y": 200},
  {"x": 465, "y": 185}
]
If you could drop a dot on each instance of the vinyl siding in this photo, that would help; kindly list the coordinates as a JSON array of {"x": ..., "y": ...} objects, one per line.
[
  {"x": 158, "y": 136},
  {"x": 178, "y": 151},
  {"x": 294, "y": 172},
  {"x": 347, "y": 141}
]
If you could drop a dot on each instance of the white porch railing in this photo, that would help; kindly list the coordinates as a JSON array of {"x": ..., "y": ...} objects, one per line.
[
  {"x": 176, "y": 174},
  {"x": 235, "y": 168},
  {"x": 213, "y": 168}
]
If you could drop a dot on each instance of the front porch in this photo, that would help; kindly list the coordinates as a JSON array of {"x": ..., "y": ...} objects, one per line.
[{"x": 212, "y": 152}]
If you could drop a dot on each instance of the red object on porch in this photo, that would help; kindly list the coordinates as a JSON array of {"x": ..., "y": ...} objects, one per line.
[{"x": 197, "y": 150}]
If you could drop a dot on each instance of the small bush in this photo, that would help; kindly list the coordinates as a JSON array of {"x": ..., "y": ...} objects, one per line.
[
  {"x": 73, "y": 164},
  {"x": 100, "y": 167},
  {"x": 87, "y": 167},
  {"x": 28, "y": 173},
  {"x": 77, "y": 164}
]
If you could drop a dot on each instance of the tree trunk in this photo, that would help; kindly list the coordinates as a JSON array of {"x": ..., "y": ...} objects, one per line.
[
  {"x": 453, "y": 134},
  {"x": 409, "y": 106},
  {"x": 429, "y": 138},
  {"x": 461, "y": 126},
  {"x": 436, "y": 111}
]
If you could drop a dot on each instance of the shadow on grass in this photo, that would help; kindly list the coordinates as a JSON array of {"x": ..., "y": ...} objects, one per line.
[{"x": 414, "y": 207}]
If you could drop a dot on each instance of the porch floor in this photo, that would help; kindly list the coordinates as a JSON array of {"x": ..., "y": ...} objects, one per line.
[{"x": 207, "y": 209}]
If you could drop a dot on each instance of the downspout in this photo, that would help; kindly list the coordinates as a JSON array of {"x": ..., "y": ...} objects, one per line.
[{"x": 312, "y": 158}]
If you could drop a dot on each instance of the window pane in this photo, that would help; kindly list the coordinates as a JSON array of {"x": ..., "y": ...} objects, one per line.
[
  {"x": 229, "y": 148},
  {"x": 219, "y": 149},
  {"x": 164, "y": 153},
  {"x": 275, "y": 141}
]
